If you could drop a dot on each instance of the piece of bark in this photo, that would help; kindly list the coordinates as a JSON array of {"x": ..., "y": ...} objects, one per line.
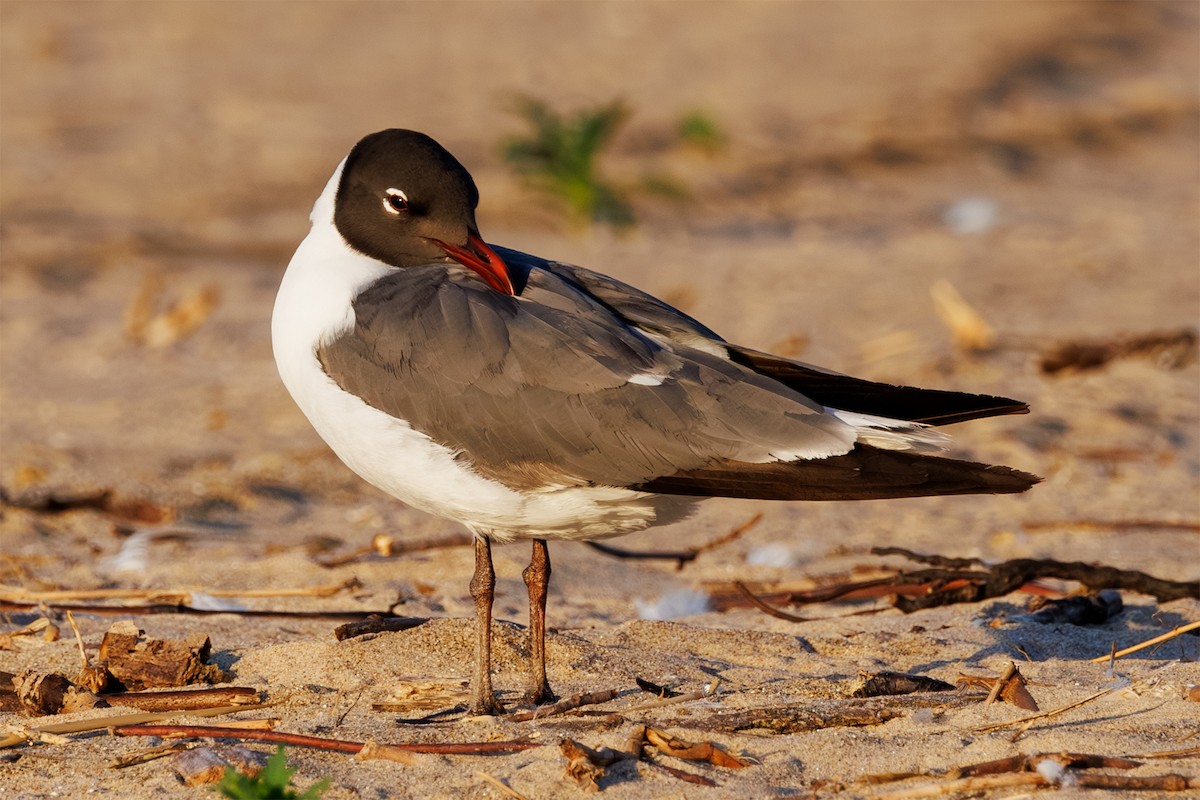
[
  {"x": 376, "y": 624},
  {"x": 1009, "y": 687},
  {"x": 9, "y": 703},
  {"x": 580, "y": 767},
  {"x": 883, "y": 684},
  {"x": 693, "y": 751},
  {"x": 1092, "y": 609},
  {"x": 817, "y": 714},
  {"x": 204, "y": 765},
  {"x": 94, "y": 678},
  {"x": 42, "y": 693},
  {"x": 136, "y": 662}
]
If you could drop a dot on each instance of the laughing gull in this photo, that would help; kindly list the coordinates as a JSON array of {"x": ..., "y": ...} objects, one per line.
[{"x": 527, "y": 398}]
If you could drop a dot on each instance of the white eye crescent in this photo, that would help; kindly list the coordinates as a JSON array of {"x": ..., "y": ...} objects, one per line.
[{"x": 396, "y": 202}]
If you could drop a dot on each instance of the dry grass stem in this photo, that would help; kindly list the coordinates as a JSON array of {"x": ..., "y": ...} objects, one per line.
[
  {"x": 1182, "y": 629},
  {"x": 1045, "y": 714},
  {"x": 503, "y": 787},
  {"x": 966, "y": 325}
]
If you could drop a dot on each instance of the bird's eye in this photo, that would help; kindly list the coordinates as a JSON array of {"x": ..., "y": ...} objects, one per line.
[{"x": 396, "y": 202}]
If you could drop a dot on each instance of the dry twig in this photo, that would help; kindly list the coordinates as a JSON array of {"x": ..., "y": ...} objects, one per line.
[
  {"x": 562, "y": 706},
  {"x": 1182, "y": 629},
  {"x": 322, "y": 743},
  {"x": 681, "y": 557},
  {"x": 1045, "y": 714}
]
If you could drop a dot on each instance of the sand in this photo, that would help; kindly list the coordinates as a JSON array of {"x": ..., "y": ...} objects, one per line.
[{"x": 1041, "y": 158}]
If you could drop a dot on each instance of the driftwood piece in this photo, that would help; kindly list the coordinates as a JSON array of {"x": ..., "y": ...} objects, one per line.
[
  {"x": 819, "y": 714},
  {"x": 137, "y": 662},
  {"x": 964, "y": 584},
  {"x": 42, "y": 693},
  {"x": 566, "y": 704},
  {"x": 1170, "y": 349}
]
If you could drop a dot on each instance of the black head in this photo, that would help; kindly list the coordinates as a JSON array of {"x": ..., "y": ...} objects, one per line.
[
  {"x": 404, "y": 200},
  {"x": 400, "y": 190}
]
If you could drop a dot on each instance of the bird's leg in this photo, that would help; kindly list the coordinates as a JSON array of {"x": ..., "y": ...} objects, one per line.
[
  {"x": 537, "y": 579},
  {"x": 483, "y": 590}
]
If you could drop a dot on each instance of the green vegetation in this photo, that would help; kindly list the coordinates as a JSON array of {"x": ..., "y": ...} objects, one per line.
[
  {"x": 699, "y": 130},
  {"x": 560, "y": 154},
  {"x": 273, "y": 783},
  {"x": 559, "y": 157}
]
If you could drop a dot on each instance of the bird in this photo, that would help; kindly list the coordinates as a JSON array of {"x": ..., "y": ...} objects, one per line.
[{"x": 526, "y": 398}]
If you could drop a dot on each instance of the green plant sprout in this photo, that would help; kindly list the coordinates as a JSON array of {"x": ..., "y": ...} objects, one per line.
[
  {"x": 273, "y": 783},
  {"x": 699, "y": 130},
  {"x": 559, "y": 157}
]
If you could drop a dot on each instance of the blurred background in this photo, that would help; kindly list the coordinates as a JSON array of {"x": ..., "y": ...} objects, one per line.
[{"x": 934, "y": 192}]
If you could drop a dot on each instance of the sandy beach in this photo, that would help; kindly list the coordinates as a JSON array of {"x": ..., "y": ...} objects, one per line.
[{"x": 157, "y": 166}]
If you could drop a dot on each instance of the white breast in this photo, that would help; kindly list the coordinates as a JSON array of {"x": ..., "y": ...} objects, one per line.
[{"x": 313, "y": 306}]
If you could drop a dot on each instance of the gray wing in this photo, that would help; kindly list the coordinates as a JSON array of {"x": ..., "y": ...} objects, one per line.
[
  {"x": 826, "y": 387},
  {"x": 555, "y": 387}
]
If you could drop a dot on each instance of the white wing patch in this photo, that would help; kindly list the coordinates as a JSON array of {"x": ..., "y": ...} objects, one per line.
[{"x": 893, "y": 434}]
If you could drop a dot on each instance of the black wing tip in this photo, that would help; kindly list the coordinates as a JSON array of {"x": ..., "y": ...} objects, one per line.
[
  {"x": 989, "y": 406},
  {"x": 865, "y": 473}
]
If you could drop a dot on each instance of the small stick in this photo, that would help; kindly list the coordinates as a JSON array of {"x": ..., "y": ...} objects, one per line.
[
  {"x": 699, "y": 694},
  {"x": 185, "y": 699},
  {"x": 321, "y": 743},
  {"x": 179, "y": 608},
  {"x": 152, "y": 754},
  {"x": 1044, "y": 714},
  {"x": 1189, "y": 752},
  {"x": 729, "y": 537},
  {"x": 78, "y": 639},
  {"x": 681, "y": 774},
  {"x": 503, "y": 787},
  {"x": 965, "y": 786},
  {"x": 388, "y": 547},
  {"x": 1108, "y": 524},
  {"x": 1182, "y": 629},
  {"x": 566, "y": 704},
  {"x": 682, "y": 557},
  {"x": 1009, "y": 672},
  {"x": 1158, "y": 783},
  {"x": 84, "y": 725},
  {"x": 763, "y": 607}
]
